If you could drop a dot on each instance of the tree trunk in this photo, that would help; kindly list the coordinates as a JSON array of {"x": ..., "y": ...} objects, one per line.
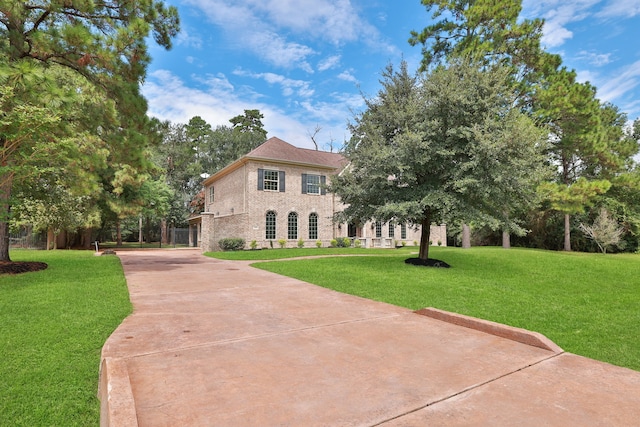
[
  {"x": 50, "y": 238},
  {"x": 567, "y": 232},
  {"x": 466, "y": 236},
  {"x": 118, "y": 233},
  {"x": 6, "y": 182},
  {"x": 85, "y": 241},
  {"x": 163, "y": 232},
  {"x": 140, "y": 239},
  {"x": 425, "y": 234},
  {"x": 506, "y": 239}
]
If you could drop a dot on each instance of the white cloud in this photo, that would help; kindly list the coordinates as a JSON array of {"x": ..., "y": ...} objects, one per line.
[
  {"x": 347, "y": 75},
  {"x": 558, "y": 14},
  {"x": 289, "y": 86},
  {"x": 597, "y": 59},
  {"x": 185, "y": 39},
  {"x": 624, "y": 81},
  {"x": 329, "y": 63},
  {"x": 261, "y": 26},
  {"x": 620, "y": 8},
  {"x": 170, "y": 98}
]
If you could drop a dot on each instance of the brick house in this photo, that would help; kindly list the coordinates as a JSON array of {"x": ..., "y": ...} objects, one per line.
[{"x": 277, "y": 192}]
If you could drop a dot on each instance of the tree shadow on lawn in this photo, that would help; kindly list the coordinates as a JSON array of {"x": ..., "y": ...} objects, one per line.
[{"x": 430, "y": 262}]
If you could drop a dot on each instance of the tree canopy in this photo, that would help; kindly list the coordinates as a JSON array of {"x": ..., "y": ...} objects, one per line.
[
  {"x": 102, "y": 43},
  {"x": 439, "y": 146}
]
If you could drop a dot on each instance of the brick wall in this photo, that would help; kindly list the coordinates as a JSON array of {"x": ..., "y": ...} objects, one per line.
[{"x": 239, "y": 210}]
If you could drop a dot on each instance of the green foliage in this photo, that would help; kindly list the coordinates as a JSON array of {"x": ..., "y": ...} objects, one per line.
[
  {"x": 343, "y": 242},
  {"x": 231, "y": 244},
  {"x": 253, "y": 245},
  {"x": 282, "y": 243},
  {"x": 449, "y": 145},
  {"x": 489, "y": 30},
  {"x": 358, "y": 243},
  {"x": 333, "y": 243},
  {"x": 318, "y": 244},
  {"x": 81, "y": 61},
  {"x": 300, "y": 243},
  {"x": 55, "y": 323},
  {"x": 250, "y": 122},
  {"x": 572, "y": 199}
]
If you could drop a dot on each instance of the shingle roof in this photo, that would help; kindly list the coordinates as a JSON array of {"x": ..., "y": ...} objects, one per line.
[{"x": 277, "y": 149}]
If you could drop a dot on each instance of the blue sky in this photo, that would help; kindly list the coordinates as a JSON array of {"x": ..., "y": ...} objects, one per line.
[{"x": 306, "y": 63}]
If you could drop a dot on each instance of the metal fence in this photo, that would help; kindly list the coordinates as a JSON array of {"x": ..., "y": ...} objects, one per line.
[
  {"x": 26, "y": 239},
  {"x": 178, "y": 237}
]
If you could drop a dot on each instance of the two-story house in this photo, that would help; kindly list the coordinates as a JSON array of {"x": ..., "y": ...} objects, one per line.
[{"x": 277, "y": 192}]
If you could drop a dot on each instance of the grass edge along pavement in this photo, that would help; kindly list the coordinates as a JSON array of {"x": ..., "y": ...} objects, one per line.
[
  {"x": 588, "y": 304},
  {"x": 54, "y": 324}
]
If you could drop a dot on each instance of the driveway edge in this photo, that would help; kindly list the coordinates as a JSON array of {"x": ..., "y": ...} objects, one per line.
[
  {"x": 117, "y": 407},
  {"x": 523, "y": 336}
]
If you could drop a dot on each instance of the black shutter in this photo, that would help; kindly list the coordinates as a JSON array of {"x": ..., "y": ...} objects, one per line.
[
  {"x": 260, "y": 179},
  {"x": 304, "y": 183},
  {"x": 281, "y": 181},
  {"x": 323, "y": 183}
]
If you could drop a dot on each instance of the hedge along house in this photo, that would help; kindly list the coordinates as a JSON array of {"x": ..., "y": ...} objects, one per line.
[{"x": 277, "y": 192}]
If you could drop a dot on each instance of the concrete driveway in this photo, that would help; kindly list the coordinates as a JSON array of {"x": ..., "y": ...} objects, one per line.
[{"x": 219, "y": 343}]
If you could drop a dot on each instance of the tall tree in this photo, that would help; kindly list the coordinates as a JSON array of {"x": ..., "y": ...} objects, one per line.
[
  {"x": 587, "y": 144},
  {"x": 250, "y": 122},
  {"x": 445, "y": 146},
  {"x": 102, "y": 41},
  {"x": 491, "y": 30}
]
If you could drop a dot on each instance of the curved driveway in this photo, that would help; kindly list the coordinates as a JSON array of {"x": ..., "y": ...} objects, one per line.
[{"x": 219, "y": 343}]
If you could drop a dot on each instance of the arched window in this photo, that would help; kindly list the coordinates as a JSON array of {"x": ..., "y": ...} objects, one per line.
[
  {"x": 270, "y": 225},
  {"x": 292, "y": 226},
  {"x": 313, "y": 226}
]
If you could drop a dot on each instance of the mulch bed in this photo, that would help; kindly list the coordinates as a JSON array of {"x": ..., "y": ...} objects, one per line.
[
  {"x": 17, "y": 267},
  {"x": 427, "y": 262}
]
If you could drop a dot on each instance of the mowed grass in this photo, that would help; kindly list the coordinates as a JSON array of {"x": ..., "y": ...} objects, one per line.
[
  {"x": 54, "y": 323},
  {"x": 588, "y": 304}
]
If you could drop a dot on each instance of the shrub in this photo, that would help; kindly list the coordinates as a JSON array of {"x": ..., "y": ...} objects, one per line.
[
  {"x": 342, "y": 242},
  {"x": 282, "y": 243},
  {"x": 319, "y": 244},
  {"x": 254, "y": 245},
  {"x": 231, "y": 244},
  {"x": 415, "y": 243},
  {"x": 439, "y": 242},
  {"x": 301, "y": 243},
  {"x": 357, "y": 243},
  {"x": 334, "y": 243}
]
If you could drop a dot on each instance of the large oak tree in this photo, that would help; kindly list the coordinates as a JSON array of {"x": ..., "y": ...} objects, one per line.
[{"x": 446, "y": 145}]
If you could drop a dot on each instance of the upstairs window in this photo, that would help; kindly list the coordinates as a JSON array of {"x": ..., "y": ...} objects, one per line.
[
  {"x": 270, "y": 180},
  {"x": 378, "y": 229},
  {"x": 211, "y": 194},
  {"x": 313, "y": 184}
]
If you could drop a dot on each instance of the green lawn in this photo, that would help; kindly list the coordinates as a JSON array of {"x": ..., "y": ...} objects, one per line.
[
  {"x": 588, "y": 304},
  {"x": 54, "y": 323}
]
